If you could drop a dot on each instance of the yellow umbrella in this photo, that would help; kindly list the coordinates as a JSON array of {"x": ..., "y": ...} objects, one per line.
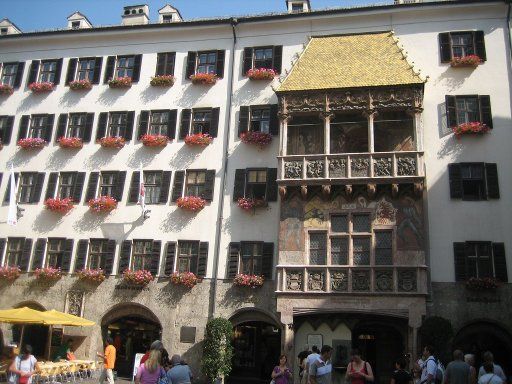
[
  {"x": 67, "y": 319},
  {"x": 22, "y": 315}
]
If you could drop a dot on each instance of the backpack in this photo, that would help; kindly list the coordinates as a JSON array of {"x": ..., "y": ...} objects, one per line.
[{"x": 439, "y": 374}]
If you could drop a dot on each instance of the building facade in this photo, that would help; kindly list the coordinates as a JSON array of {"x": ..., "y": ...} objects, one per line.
[{"x": 340, "y": 181}]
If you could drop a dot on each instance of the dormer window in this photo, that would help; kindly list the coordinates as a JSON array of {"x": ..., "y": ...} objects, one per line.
[
  {"x": 4, "y": 31},
  {"x": 75, "y": 25},
  {"x": 166, "y": 18},
  {"x": 297, "y": 8}
]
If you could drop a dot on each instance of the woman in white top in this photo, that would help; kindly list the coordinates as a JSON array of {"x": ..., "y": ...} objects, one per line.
[{"x": 23, "y": 367}]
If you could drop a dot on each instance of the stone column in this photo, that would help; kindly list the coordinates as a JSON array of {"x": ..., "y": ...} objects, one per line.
[
  {"x": 288, "y": 343},
  {"x": 283, "y": 122},
  {"x": 415, "y": 113},
  {"x": 327, "y": 130},
  {"x": 370, "y": 115}
]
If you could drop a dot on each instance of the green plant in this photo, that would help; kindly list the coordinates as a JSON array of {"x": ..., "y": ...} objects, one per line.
[
  {"x": 218, "y": 349},
  {"x": 437, "y": 331}
]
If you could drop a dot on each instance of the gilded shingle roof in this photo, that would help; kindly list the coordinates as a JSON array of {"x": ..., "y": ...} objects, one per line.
[{"x": 350, "y": 61}]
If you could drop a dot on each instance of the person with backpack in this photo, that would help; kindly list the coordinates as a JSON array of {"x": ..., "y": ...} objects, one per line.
[
  {"x": 457, "y": 371},
  {"x": 431, "y": 373},
  {"x": 489, "y": 377}
]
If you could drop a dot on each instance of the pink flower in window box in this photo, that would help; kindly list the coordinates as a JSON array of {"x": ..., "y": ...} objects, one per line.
[
  {"x": 482, "y": 283},
  {"x": 252, "y": 281},
  {"x": 466, "y": 61},
  {"x": 473, "y": 128},
  {"x": 70, "y": 142},
  {"x": 248, "y": 204},
  {"x": 9, "y": 273},
  {"x": 112, "y": 142},
  {"x": 102, "y": 204},
  {"x": 78, "y": 85},
  {"x": 91, "y": 275},
  {"x": 45, "y": 86},
  {"x": 204, "y": 78},
  {"x": 141, "y": 277},
  {"x": 162, "y": 81},
  {"x": 6, "y": 89},
  {"x": 120, "y": 82},
  {"x": 199, "y": 139},
  {"x": 154, "y": 140},
  {"x": 59, "y": 205},
  {"x": 261, "y": 139},
  {"x": 31, "y": 143},
  {"x": 191, "y": 203},
  {"x": 48, "y": 273},
  {"x": 261, "y": 74},
  {"x": 187, "y": 279}
]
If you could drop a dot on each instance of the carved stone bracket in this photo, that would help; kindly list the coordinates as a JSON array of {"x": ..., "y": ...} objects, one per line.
[
  {"x": 371, "y": 189},
  {"x": 304, "y": 191},
  {"x": 326, "y": 191},
  {"x": 283, "y": 117},
  {"x": 418, "y": 189},
  {"x": 394, "y": 190},
  {"x": 348, "y": 190},
  {"x": 282, "y": 192}
]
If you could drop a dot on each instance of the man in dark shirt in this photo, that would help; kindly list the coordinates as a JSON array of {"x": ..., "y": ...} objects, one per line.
[
  {"x": 301, "y": 356},
  {"x": 401, "y": 376},
  {"x": 458, "y": 371}
]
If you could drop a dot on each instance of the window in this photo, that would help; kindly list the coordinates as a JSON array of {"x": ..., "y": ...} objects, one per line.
[
  {"x": 122, "y": 66},
  {"x": 263, "y": 57},
  {"x": 383, "y": 247},
  {"x": 125, "y": 66},
  {"x": 256, "y": 186},
  {"x": 4, "y": 31},
  {"x": 6, "y": 123},
  {"x": 206, "y": 62},
  {"x": 305, "y": 136},
  {"x": 26, "y": 188},
  {"x": 108, "y": 183},
  {"x": 473, "y": 185},
  {"x": 141, "y": 257},
  {"x": 297, "y": 7},
  {"x": 480, "y": 259},
  {"x": 349, "y": 133},
  {"x": 394, "y": 131},
  {"x": 468, "y": 109},
  {"x": 75, "y": 25},
  {"x": 317, "y": 248},
  {"x": 166, "y": 18},
  {"x": 47, "y": 71},
  {"x": 188, "y": 253},
  {"x": 76, "y": 125},
  {"x": 14, "y": 251},
  {"x": 153, "y": 185},
  {"x": 117, "y": 124},
  {"x": 201, "y": 121},
  {"x": 165, "y": 63},
  {"x": 66, "y": 184},
  {"x": 460, "y": 44},
  {"x": 55, "y": 253},
  {"x": 86, "y": 69},
  {"x": 260, "y": 120},
  {"x": 158, "y": 123},
  {"x": 251, "y": 258},
  {"x": 98, "y": 251},
  {"x": 269, "y": 57},
  {"x": 195, "y": 185},
  {"x": 473, "y": 181},
  {"x": 38, "y": 124},
  {"x": 9, "y": 72}
]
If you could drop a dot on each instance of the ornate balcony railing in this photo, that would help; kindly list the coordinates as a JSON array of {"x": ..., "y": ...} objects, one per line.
[
  {"x": 397, "y": 280},
  {"x": 352, "y": 168}
]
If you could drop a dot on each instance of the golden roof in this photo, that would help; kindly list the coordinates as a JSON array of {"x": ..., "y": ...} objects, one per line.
[{"x": 350, "y": 61}]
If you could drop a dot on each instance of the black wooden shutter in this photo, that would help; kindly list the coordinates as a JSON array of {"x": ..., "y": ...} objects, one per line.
[
  {"x": 186, "y": 115},
  {"x": 109, "y": 71},
  {"x": 81, "y": 255},
  {"x": 7, "y": 131},
  {"x": 220, "y": 64},
  {"x": 51, "y": 188},
  {"x": 155, "y": 257},
  {"x": 38, "y": 188},
  {"x": 459, "y": 252},
  {"x": 166, "y": 185},
  {"x": 500, "y": 262},
  {"x": 133, "y": 195},
  {"x": 234, "y": 253},
  {"x": 160, "y": 64},
  {"x": 191, "y": 64},
  {"x": 214, "y": 123},
  {"x": 136, "y": 68},
  {"x": 247, "y": 65},
  {"x": 101, "y": 130},
  {"x": 202, "y": 262},
  {"x": 58, "y": 71},
  {"x": 177, "y": 189},
  {"x": 34, "y": 71},
  {"x": 23, "y": 128},
  {"x": 267, "y": 261},
  {"x": 271, "y": 184},
  {"x": 445, "y": 48},
  {"x": 143, "y": 124},
  {"x": 480, "y": 45},
  {"x": 491, "y": 177},
  {"x": 48, "y": 130},
  {"x": 455, "y": 177},
  {"x": 78, "y": 187},
  {"x": 97, "y": 70},
  {"x": 25, "y": 255},
  {"x": 2, "y": 246},
  {"x": 7, "y": 196},
  {"x": 66, "y": 255},
  {"x": 37, "y": 261},
  {"x": 87, "y": 132},
  {"x": 239, "y": 190},
  {"x": 278, "y": 58},
  {"x": 108, "y": 263},
  {"x": 209, "y": 185},
  {"x": 243, "y": 120},
  {"x": 124, "y": 256},
  {"x": 169, "y": 258},
  {"x": 19, "y": 74},
  {"x": 485, "y": 110},
  {"x": 171, "y": 123},
  {"x": 451, "y": 112},
  {"x": 274, "y": 120},
  {"x": 62, "y": 123},
  {"x": 128, "y": 131},
  {"x": 92, "y": 186},
  {"x": 119, "y": 188},
  {"x": 70, "y": 75}
]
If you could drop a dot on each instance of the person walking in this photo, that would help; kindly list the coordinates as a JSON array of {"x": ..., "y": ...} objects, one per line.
[
  {"x": 180, "y": 372},
  {"x": 358, "y": 370},
  {"x": 470, "y": 360},
  {"x": 23, "y": 367},
  {"x": 164, "y": 356},
  {"x": 457, "y": 371},
  {"x": 497, "y": 370},
  {"x": 428, "y": 366},
  {"x": 400, "y": 375},
  {"x": 312, "y": 357},
  {"x": 109, "y": 361},
  {"x": 281, "y": 373},
  {"x": 302, "y": 362},
  {"x": 151, "y": 370},
  {"x": 490, "y": 377},
  {"x": 320, "y": 370}
]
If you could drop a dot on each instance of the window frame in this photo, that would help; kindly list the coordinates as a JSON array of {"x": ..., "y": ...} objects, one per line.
[
  {"x": 18, "y": 252},
  {"x": 465, "y": 180},
  {"x": 200, "y": 187},
  {"x": 70, "y": 185},
  {"x": 465, "y": 99},
  {"x": 145, "y": 257},
  {"x": 71, "y": 126},
  {"x": 476, "y": 247},
  {"x": 252, "y": 119},
  {"x": 120, "y": 126},
  {"x": 58, "y": 254},
  {"x": 249, "y": 183},
  {"x": 42, "y": 119},
  {"x": 188, "y": 256},
  {"x": 162, "y": 125},
  {"x": 102, "y": 185},
  {"x": 464, "y": 47},
  {"x": 264, "y": 48},
  {"x": 157, "y": 186},
  {"x": 101, "y": 255},
  {"x": 259, "y": 257},
  {"x": 42, "y": 73},
  {"x": 12, "y": 76},
  {"x": 207, "y": 122},
  {"x": 20, "y": 190},
  {"x": 207, "y": 64},
  {"x": 125, "y": 68},
  {"x": 90, "y": 71}
]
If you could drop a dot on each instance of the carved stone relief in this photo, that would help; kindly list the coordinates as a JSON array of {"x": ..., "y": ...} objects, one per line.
[
  {"x": 384, "y": 281},
  {"x": 339, "y": 281},
  {"x": 75, "y": 301},
  {"x": 293, "y": 170},
  {"x": 305, "y": 103},
  {"x": 406, "y": 166},
  {"x": 349, "y": 101},
  {"x": 407, "y": 280},
  {"x": 338, "y": 168},
  {"x": 359, "y": 167},
  {"x": 316, "y": 281},
  {"x": 361, "y": 281},
  {"x": 315, "y": 169},
  {"x": 294, "y": 280},
  {"x": 382, "y": 166}
]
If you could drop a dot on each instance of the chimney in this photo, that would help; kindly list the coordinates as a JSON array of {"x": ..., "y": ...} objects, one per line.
[
  {"x": 135, "y": 15},
  {"x": 298, "y": 6},
  {"x": 7, "y": 27},
  {"x": 169, "y": 14},
  {"x": 78, "y": 21}
]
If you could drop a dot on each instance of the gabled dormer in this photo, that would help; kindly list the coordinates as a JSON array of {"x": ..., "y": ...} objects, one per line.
[
  {"x": 78, "y": 20},
  {"x": 135, "y": 14},
  {"x": 169, "y": 14},
  {"x": 7, "y": 27},
  {"x": 298, "y": 6}
]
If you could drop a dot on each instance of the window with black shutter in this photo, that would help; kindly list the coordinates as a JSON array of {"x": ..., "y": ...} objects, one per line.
[
  {"x": 268, "y": 57},
  {"x": 251, "y": 258},
  {"x": 211, "y": 62},
  {"x": 461, "y": 44},
  {"x": 188, "y": 254},
  {"x": 117, "y": 123},
  {"x": 30, "y": 186},
  {"x": 158, "y": 122},
  {"x": 165, "y": 63},
  {"x": 141, "y": 255},
  {"x": 201, "y": 121},
  {"x": 11, "y": 73},
  {"x": 41, "y": 127},
  {"x": 6, "y": 125},
  {"x": 14, "y": 253},
  {"x": 480, "y": 259},
  {"x": 49, "y": 71},
  {"x": 259, "y": 184},
  {"x": 170, "y": 256},
  {"x": 76, "y": 125},
  {"x": 98, "y": 253},
  {"x": 473, "y": 181},
  {"x": 260, "y": 119},
  {"x": 86, "y": 69},
  {"x": 128, "y": 66},
  {"x": 111, "y": 183},
  {"x": 468, "y": 109},
  {"x": 70, "y": 185},
  {"x": 56, "y": 253}
]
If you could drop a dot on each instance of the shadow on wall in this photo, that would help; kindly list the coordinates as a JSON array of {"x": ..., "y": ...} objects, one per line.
[
  {"x": 46, "y": 221},
  {"x": 31, "y": 100},
  {"x": 252, "y": 90},
  {"x": 151, "y": 93},
  {"x": 193, "y": 358},
  {"x": 58, "y": 158},
  {"x": 89, "y": 222},
  {"x": 192, "y": 94},
  {"x": 143, "y": 155},
  {"x": 71, "y": 98},
  {"x": 184, "y": 157},
  {"x": 177, "y": 220},
  {"x": 22, "y": 157},
  {"x": 101, "y": 158},
  {"x": 239, "y": 296},
  {"x": 109, "y": 96},
  {"x": 172, "y": 294},
  {"x": 116, "y": 231}
]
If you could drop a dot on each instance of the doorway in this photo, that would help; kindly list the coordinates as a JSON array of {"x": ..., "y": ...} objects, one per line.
[{"x": 33, "y": 335}]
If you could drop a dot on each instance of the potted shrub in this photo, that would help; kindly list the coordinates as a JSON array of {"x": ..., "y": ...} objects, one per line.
[
  {"x": 187, "y": 279},
  {"x": 482, "y": 283},
  {"x": 204, "y": 78},
  {"x": 466, "y": 61},
  {"x": 78, "y": 85},
  {"x": 31, "y": 143},
  {"x": 473, "y": 128},
  {"x": 154, "y": 140},
  {"x": 70, "y": 142},
  {"x": 248, "y": 204},
  {"x": 141, "y": 277},
  {"x": 199, "y": 139},
  {"x": 251, "y": 281},
  {"x": 91, "y": 275},
  {"x": 261, "y": 74},
  {"x": 9, "y": 273},
  {"x": 42, "y": 87},
  {"x": 261, "y": 139},
  {"x": 6, "y": 89},
  {"x": 112, "y": 142},
  {"x": 162, "y": 81},
  {"x": 102, "y": 204},
  {"x": 191, "y": 203},
  {"x": 59, "y": 205},
  {"x": 120, "y": 82},
  {"x": 48, "y": 273},
  {"x": 217, "y": 358}
]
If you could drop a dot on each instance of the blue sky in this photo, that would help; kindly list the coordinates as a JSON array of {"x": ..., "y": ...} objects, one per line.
[{"x": 30, "y": 15}]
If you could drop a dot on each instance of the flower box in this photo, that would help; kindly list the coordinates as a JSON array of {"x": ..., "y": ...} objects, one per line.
[
  {"x": 79, "y": 85},
  {"x": 473, "y": 128},
  {"x": 199, "y": 139},
  {"x": 31, "y": 143},
  {"x": 261, "y": 139},
  {"x": 191, "y": 203},
  {"x": 41, "y": 87},
  {"x": 120, "y": 82},
  {"x": 187, "y": 279},
  {"x": 141, "y": 277},
  {"x": 70, "y": 142},
  {"x": 6, "y": 89},
  {"x": 482, "y": 284},
  {"x": 248, "y": 204},
  {"x": 466, "y": 61},
  {"x": 48, "y": 273},
  {"x": 252, "y": 281},
  {"x": 59, "y": 205},
  {"x": 91, "y": 275},
  {"x": 154, "y": 140},
  {"x": 102, "y": 204},
  {"x": 204, "y": 78},
  {"x": 112, "y": 142},
  {"x": 9, "y": 273},
  {"x": 162, "y": 81},
  {"x": 261, "y": 74}
]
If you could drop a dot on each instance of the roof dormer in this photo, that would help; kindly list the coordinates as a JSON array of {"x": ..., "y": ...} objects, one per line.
[
  {"x": 135, "y": 14},
  {"x": 78, "y": 21},
  {"x": 7, "y": 27},
  {"x": 169, "y": 14},
  {"x": 298, "y": 6}
]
